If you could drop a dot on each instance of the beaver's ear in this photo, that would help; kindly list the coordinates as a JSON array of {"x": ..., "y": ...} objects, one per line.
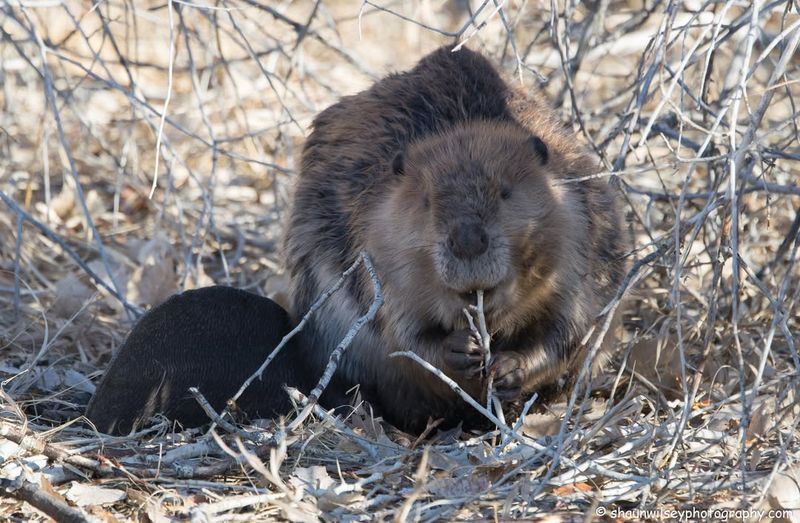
[
  {"x": 398, "y": 163},
  {"x": 539, "y": 148}
]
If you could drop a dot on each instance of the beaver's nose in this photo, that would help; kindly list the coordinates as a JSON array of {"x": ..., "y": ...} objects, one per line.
[{"x": 468, "y": 240}]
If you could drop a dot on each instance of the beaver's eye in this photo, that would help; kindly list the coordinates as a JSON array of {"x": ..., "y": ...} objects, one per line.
[
  {"x": 505, "y": 192},
  {"x": 426, "y": 201}
]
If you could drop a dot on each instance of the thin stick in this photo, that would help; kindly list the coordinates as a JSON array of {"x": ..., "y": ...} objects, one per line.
[
  {"x": 314, "y": 308},
  {"x": 160, "y": 134},
  {"x": 255, "y": 437},
  {"x": 38, "y": 498},
  {"x": 454, "y": 387},
  {"x": 337, "y": 353}
]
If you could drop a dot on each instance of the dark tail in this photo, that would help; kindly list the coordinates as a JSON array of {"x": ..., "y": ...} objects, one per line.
[{"x": 212, "y": 339}]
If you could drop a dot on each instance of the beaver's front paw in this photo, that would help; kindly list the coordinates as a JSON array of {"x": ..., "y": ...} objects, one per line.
[
  {"x": 509, "y": 375},
  {"x": 463, "y": 355}
]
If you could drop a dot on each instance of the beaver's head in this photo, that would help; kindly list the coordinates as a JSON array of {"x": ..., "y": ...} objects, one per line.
[{"x": 483, "y": 209}]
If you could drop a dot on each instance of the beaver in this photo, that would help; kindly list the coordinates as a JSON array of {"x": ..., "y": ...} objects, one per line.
[
  {"x": 213, "y": 339},
  {"x": 453, "y": 182}
]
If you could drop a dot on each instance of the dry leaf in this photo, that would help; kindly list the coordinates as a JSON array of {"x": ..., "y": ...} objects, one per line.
[
  {"x": 198, "y": 278},
  {"x": 95, "y": 204},
  {"x": 131, "y": 200},
  {"x": 120, "y": 276},
  {"x": 658, "y": 360},
  {"x": 84, "y": 494},
  {"x": 760, "y": 420},
  {"x": 541, "y": 424},
  {"x": 102, "y": 514},
  {"x": 156, "y": 513},
  {"x": 784, "y": 493},
  {"x": 239, "y": 193},
  {"x": 47, "y": 487},
  {"x": 71, "y": 295},
  {"x": 462, "y": 487},
  {"x": 155, "y": 279},
  {"x": 312, "y": 478},
  {"x": 444, "y": 461},
  {"x": 57, "y": 378},
  {"x": 573, "y": 488},
  {"x": 63, "y": 204}
]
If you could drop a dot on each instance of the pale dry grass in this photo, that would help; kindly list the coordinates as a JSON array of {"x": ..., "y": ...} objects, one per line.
[{"x": 692, "y": 106}]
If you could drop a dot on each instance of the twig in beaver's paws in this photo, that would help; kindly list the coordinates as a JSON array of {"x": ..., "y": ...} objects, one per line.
[{"x": 482, "y": 333}]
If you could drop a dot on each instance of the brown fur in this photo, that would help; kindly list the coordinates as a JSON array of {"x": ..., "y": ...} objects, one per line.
[{"x": 442, "y": 160}]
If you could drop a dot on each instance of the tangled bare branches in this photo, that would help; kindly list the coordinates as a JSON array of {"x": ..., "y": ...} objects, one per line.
[{"x": 147, "y": 147}]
